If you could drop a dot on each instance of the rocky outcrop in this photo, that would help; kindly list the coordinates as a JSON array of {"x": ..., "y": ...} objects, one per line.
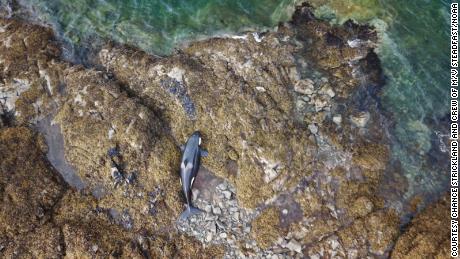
[
  {"x": 297, "y": 151},
  {"x": 268, "y": 107},
  {"x": 29, "y": 192},
  {"x": 428, "y": 234},
  {"x": 41, "y": 217},
  {"x": 266, "y": 228},
  {"x": 252, "y": 100}
]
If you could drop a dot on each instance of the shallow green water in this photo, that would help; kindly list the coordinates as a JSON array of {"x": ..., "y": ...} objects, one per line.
[
  {"x": 415, "y": 57},
  {"x": 157, "y": 25},
  {"x": 413, "y": 49}
]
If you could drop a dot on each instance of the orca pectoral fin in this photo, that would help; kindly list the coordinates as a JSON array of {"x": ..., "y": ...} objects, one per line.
[{"x": 203, "y": 152}]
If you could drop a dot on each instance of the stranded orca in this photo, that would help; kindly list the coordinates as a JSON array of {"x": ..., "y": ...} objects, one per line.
[{"x": 190, "y": 163}]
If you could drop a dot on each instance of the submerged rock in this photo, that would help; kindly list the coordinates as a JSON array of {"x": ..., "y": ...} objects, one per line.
[{"x": 361, "y": 119}]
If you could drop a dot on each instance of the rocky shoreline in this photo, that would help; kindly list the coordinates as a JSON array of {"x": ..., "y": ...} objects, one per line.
[{"x": 298, "y": 160}]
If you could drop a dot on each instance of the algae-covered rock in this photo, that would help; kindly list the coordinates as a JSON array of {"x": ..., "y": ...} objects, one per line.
[
  {"x": 373, "y": 235},
  {"x": 240, "y": 93},
  {"x": 42, "y": 218},
  {"x": 29, "y": 192},
  {"x": 27, "y": 198},
  {"x": 266, "y": 228},
  {"x": 427, "y": 235},
  {"x": 24, "y": 49},
  {"x": 199, "y": 90},
  {"x": 296, "y": 159}
]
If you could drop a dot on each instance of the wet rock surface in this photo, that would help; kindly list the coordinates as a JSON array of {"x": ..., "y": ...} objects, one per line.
[
  {"x": 297, "y": 148},
  {"x": 29, "y": 192},
  {"x": 427, "y": 234}
]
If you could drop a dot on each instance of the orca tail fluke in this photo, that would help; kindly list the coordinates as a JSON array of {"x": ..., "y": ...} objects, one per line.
[{"x": 189, "y": 211}]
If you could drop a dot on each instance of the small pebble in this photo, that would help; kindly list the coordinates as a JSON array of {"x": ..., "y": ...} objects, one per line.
[
  {"x": 209, "y": 237},
  {"x": 227, "y": 194},
  {"x": 330, "y": 92},
  {"x": 216, "y": 210},
  {"x": 95, "y": 248},
  {"x": 213, "y": 228},
  {"x": 337, "y": 119},
  {"x": 221, "y": 186},
  {"x": 293, "y": 245},
  {"x": 195, "y": 194},
  {"x": 313, "y": 128},
  {"x": 260, "y": 89}
]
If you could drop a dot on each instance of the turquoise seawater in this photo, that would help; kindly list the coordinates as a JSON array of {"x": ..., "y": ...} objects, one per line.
[
  {"x": 413, "y": 48},
  {"x": 156, "y": 25},
  {"x": 415, "y": 58}
]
